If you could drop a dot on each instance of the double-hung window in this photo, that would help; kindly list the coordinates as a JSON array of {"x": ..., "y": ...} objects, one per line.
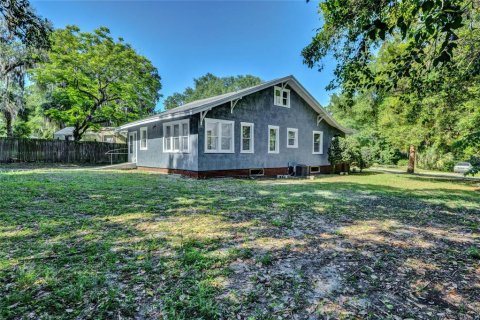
[
  {"x": 219, "y": 136},
  {"x": 281, "y": 97},
  {"x": 292, "y": 138},
  {"x": 273, "y": 139},
  {"x": 176, "y": 136},
  {"x": 246, "y": 142},
  {"x": 143, "y": 138},
  {"x": 317, "y": 142}
]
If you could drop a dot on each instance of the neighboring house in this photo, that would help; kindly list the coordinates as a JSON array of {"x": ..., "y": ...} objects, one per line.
[
  {"x": 261, "y": 130},
  {"x": 103, "y": 135}
]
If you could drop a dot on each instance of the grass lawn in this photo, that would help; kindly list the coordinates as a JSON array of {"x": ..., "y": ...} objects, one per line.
[{"x": 90, "y": 244}]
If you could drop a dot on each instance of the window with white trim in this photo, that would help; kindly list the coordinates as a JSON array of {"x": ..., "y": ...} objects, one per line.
[
  {"x": 292, "y": 138},
  {"x": 281, "y": 97},
  {"x": 246, "y": 140},
  {"x": 219, "y": 136},
  {"x": 143, "y": 138},
  {"x": 317, "y": 142},
  {"x": 273, "y": 139},
  {"x": 176, "y": 136}
]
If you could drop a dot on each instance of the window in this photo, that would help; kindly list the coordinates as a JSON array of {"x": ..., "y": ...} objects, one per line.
[
  {"x": 315, "y": 169},
  {"x": 219, "y": 136},
  {"x": 130, "y": 143},
  {"x": 246, "y": 142},
  {"x": 143, "y": 138},
  {"x": 273, "y": 139},
  {"x": 317, "y": 142},
  {"x": 281, "y": 97},
  {"x": 292, "y": 138},
  {"x": 176, "y": 136},
  {"x": 257, "y": 172}
]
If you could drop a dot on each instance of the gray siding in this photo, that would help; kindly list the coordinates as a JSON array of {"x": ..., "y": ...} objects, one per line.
[
  {"x": 154, "y": 155},
  {"x": 258, "y": 108}
]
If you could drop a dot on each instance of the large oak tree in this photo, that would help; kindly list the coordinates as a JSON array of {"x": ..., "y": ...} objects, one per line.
[
  {"x": 92, "y": 80},
  {"x": 23, "y": 38}
]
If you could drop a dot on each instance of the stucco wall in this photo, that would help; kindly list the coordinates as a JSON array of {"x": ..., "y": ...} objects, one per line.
[
  {"x": 154, "y": 155},
  {"x": 259, "y": 109}
]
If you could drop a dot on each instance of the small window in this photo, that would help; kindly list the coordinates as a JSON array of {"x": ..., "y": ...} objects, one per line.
[
  {"x": 315, "y": 169},
  {"x": 143, "y": 138},
  {"x": 281, "y": 97},
  {"x": 219, "y": 136},
  {"x": 317, "y": 142},
  {"x": 176, "y": 136},
  {"x": 292, "y": 138},
  {"x": 257, "y": 172},
  {"x": 273, "y": 139},
  {"x": 246, "y": 142}
]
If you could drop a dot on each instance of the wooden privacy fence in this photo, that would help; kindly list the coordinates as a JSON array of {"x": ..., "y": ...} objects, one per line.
[{"x": 38, "y": 150}]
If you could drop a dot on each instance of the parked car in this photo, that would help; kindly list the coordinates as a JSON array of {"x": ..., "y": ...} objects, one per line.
[{"x": 462, "y": 167}]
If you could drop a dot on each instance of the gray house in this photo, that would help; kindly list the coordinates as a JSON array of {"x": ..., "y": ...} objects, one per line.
[{"x": 267, "y": 129}]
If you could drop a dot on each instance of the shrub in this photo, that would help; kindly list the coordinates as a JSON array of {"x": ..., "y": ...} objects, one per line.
[
  {"x": 475, "y": 161},
  {"x": 402, "y": 162},
  {"x": 348, "y": 150},
  {"x": 433, "y": 159}
]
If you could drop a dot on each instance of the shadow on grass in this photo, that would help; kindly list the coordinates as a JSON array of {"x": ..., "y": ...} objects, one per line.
[{"x": 139, "y": 245}]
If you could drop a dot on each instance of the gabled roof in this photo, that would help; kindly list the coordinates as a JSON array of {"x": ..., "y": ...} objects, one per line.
[
  {"x": 67, "y": 131},
  {"x": 209, "y": 103}
]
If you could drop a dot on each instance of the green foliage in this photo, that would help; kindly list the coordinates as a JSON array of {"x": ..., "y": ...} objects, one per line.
[
  {"x": 430, "y": 31},
  {"x": 434, "y": 159},
  {"x": 335, "y": 151},
  {"x": 408, "y": 73},
  {"x": 474, "y": 252},
  {"x": 208, "y": 86},
  {"x": 92, "y": 80},
  {"x": 23, "y": 24},
  {"x": 349, "y": 150},
  {"x": 475, "y": 162},
  {"x": 39, "y": 124}
]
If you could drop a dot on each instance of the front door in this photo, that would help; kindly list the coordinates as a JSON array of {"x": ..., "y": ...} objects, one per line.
[{"x": 132, "y": 147}]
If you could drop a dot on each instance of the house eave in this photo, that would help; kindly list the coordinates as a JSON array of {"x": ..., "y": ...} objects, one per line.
[{"x": 290, "y": 80}]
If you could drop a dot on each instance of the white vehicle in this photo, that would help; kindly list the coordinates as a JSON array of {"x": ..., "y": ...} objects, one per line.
[{"x": 462, "y": 167}]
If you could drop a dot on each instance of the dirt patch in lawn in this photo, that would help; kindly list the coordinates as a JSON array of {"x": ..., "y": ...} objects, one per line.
[{"x": 90, "y": 244}]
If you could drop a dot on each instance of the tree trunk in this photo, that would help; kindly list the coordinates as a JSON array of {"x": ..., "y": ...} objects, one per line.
[
  {"x": 8, "y": 123},
  {"x": 411, "y": 160},
  {"x": 76, "y": 134}
]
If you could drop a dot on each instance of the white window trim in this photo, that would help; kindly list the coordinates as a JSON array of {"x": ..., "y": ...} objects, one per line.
[
  {"x": 172, "y": 123},
  {"x": 295, "y": 145},
  {"x": 277, "y": 144},
  {"x": 219, "y": 121},
  {"x": 252, "y": 137},
  {"x": 144, "y": 129},
  {"x": 275, "y": 88},
  {"x": 321, "y": 142}
]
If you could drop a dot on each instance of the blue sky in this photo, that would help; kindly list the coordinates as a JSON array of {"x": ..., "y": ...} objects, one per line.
[{"x": 186, "y": 39}]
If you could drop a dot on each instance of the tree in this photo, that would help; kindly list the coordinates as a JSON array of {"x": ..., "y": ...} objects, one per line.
[
  {"x": 92, "y": 80},
  {"x": 408, "y": 72},
  {"x": 430, "y": 31},
  {"x": 208, "y": 86},
  {"x": 23, "y": 37},
  {"x": 21, "y": 22},
  {"x": 335, "y": 151}
]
